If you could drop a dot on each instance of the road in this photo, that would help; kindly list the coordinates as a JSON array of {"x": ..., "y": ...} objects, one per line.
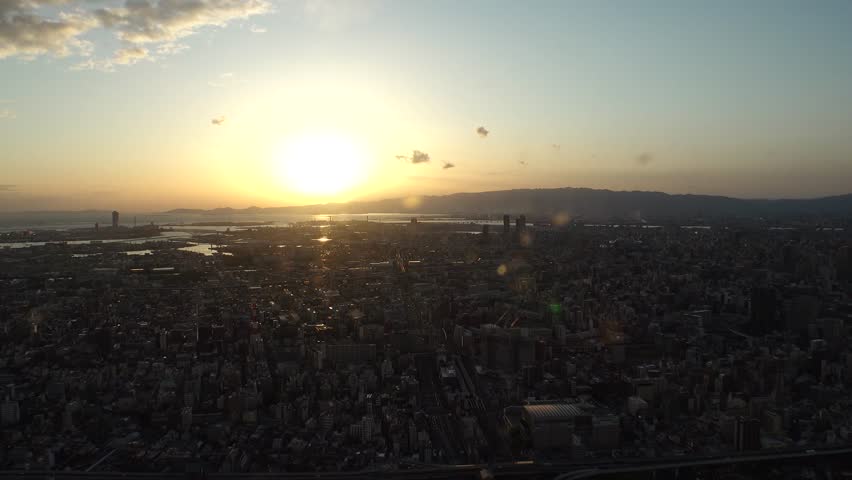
[{"x": 570, "y": 471}]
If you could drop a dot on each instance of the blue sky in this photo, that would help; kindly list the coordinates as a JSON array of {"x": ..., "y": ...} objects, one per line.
[{"x": 749, "y": 99}]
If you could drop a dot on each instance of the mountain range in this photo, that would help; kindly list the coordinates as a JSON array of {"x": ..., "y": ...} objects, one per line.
[{"x": 575, "y": 202}]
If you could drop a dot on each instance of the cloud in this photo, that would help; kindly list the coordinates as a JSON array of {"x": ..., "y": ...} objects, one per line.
[
  {"x": 146, "y": 21},
  {"x": 644, "y": 158},
  {"x": 256, "y": 29},
  {"x": 556, "y": 146},
  {"x": 523, "y": 163},
  {"x": 419, "y": 157},
  {"x": 8, "y": 188},
  {"x": 26, "y": 33},
  {"x": 448, "y": 165},
  {"x": 145, "y": 28},
  {"x": 7, "y": 114},
  {"x": 171, "y": 48},
  {"x": 401, "y": 157},
  {"x": 223, "y": 80},
  {"x": 218, "y": 120},
  {"x": 129, "y": 55},
  {"x": 482, "y": 132}
]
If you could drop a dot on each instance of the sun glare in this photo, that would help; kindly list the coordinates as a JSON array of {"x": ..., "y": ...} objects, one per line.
[{"x": 321, "y": 164}]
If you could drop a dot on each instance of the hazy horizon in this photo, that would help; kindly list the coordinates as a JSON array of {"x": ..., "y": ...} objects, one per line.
[
  {"x": 415, "y": 198},
  {"x": 151, "y": 106}
]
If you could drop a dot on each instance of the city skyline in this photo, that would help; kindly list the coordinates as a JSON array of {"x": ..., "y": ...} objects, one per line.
[{"x": 158, "y": 105}]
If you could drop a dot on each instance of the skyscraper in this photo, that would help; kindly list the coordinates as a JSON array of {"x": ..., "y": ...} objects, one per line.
[
  {"x": 114, "y": 219},
  {"x": 747, "y": 434},
  {"x": 764, "y": 308},
  {"x": 507, "y": 225}
]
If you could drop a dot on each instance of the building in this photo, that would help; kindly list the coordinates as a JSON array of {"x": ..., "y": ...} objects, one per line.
[
  {"x": 114, "y": 219},
  {"x": 606, "y": 432},
  {"x": 747, "y": 434},
  {"x": 351, "y": 353},
  {"x": 764, "y": 309},
  {"x": 551, "y": 425},
  {"x": 803, "y": 312},
  {"x": 507, "y": 225},
  {"x": 10, "y": 413}
]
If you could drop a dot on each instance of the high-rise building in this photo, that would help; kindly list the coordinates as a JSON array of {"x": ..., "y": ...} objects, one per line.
[
  {"x": 747, "y": 434},
  {"x": 114, "y": 219},
  {"x": 521, "y": 223},
  {"x": 10, "y": 413},
  {"x": 764, "y": 308},
  {"x": 803, "y": 311},
  {"x": 507, "y": 225}
]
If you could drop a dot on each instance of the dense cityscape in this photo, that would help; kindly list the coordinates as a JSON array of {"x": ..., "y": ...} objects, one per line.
[
  {"x": 364, "y": 346},
  {"x": 425, "y": 240}
]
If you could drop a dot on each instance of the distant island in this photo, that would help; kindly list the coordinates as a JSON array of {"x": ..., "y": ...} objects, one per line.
[{"x": 575, "y": 202}]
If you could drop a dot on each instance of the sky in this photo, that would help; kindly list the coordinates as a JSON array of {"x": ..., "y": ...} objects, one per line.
[{"x": 149, "y": 105}]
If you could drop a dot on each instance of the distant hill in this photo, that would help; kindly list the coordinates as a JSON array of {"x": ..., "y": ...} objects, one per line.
[
  {"x": 585, "y": 202},
  {"x": 220, "y": 211}
]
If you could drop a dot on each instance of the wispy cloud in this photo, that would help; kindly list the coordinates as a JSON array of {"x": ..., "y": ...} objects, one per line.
[
  {"x": 482, "y": 132},
  {"x": 419, "y": 157},
  {"x": 145, "y": 28},
  {"x": 416, "y": 157},
  {"x": 218, "y": 120},
  {"x": 556, "y": 146},
  {"x": 171, "y": 48},
  {"x": 129, "y": 55},
  {"x": 257, "y": 29},
  {"x": 644, "y": 158},
  {"x": 523, "y": 163},
  {"x": 8, "y": 188},
  {"x": 448, "y": 165},
  {"x": 223, "y": 80},
  {"x": 7, "y": 114}
]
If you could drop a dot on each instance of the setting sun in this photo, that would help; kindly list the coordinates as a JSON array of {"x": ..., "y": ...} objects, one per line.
[{"x": 321, "y": 164}]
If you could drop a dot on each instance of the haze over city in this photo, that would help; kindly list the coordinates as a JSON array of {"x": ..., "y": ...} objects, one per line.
[
  {"x": 425, "y": 239},
  {"x": 158, "y": 105}
]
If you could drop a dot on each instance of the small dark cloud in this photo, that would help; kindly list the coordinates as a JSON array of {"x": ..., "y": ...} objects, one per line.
[
  {"x": 523, "y": 163},
  {"x": 8, "y": 188},
  {"x": 482, "y": 132},
  {"x": 644, "y": 159},
  {"x": 448, "y": 165},
  {"x": 402, "y": 157},
  {"x": 218, "y": 120},
  {"x": 419, "y": 157},
  {"x": 556, "y": 146}
]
